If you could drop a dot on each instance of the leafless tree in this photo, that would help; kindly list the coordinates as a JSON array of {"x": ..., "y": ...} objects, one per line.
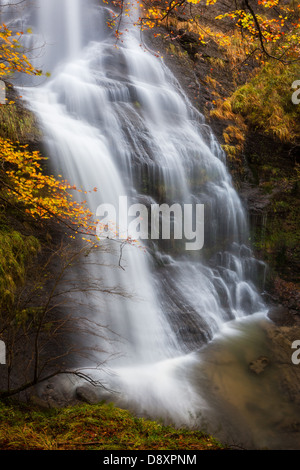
[{"x": 43, "y": 329}]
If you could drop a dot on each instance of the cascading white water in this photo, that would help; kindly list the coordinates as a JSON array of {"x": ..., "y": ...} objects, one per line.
[{"x": 116, "y": 119}]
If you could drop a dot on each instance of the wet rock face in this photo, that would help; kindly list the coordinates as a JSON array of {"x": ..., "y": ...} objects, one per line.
[{"x": 282, "y": 315}]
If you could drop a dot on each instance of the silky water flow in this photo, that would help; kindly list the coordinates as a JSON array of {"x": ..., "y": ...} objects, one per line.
[{"x": 179, "y": 326}]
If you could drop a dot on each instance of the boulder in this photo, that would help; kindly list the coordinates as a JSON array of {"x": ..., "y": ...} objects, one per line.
[{"x": 87, "y": 394}]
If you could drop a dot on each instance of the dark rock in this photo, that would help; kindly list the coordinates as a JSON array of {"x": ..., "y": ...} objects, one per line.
[
  {"x": 278, "y": 314},
  {"x": 288, "y": 425},
  {"x": 87, "y": 394},
  {"x": 257, "y": 201},
  {"x": 55, "y": 394},
  {"x": 259, "y": 365}
]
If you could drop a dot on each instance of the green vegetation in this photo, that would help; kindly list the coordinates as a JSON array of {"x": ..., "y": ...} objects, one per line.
[
  {"x": 278, "y": 238},
  {"x": 91, "y": 427},
  {"x": 265, "y": 101},
  {"x": 16, "y": 252},
  {"x": 262, "y": 104},
  {"x": 17, "y": 123}
]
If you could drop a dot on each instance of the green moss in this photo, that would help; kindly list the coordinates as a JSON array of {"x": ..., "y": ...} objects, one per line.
[
  {"x": 97, "y": 427},
  {"x": 17, "y": 123},
  {"x": 279, "y": 236},
  {"x": 15, "y": 252}
]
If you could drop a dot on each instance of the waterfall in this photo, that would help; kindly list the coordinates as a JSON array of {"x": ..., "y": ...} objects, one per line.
[{"x": 115, "y": 118}]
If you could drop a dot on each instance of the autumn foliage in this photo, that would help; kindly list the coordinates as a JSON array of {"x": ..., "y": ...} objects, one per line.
[
  {"x": 41, "y": 196},
  {"x": 23, "y": 180},
  {"x": 268, "y": 27},
  {"x": 12, "y": 56}
]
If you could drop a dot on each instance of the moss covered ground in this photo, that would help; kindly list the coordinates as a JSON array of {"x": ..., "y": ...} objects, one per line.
[{"x": 91, "y": 427}]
